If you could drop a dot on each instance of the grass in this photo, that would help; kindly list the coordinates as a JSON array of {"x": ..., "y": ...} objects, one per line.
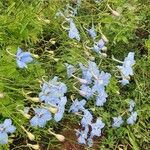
[{"x": 33, "y": 26}]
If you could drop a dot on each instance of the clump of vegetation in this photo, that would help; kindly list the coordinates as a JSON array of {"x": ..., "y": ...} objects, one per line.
[{"x": 74, "y": 74}]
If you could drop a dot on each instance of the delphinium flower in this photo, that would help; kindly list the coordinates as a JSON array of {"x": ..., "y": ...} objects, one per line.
[
  {"x": 82, "y": 135},
  {"x": 95, "y": 131},
  {"x": 87, "y": 118},
  {"x": 86, "y": 74},
  {"x": 89, "y": 129},
  {"x": 117, "y": 121},
  {"x": 101, "y": 81},
  {"x": 98, "y": 46},
  {"x": 96, "y": 128},
  {"x": 92, "y": 67},
  {"x": 101, "y": 97},
  {"x": 77, "y": 106},
  {"x": 92, "y": 32},
  {"x": 53, "y": 93},
  {"x": 23, "y": 58},
  {"x": 85, "y": 91},
  {"x": 5, "y": 129},
  {"x": 131, "y": 105},
  {"x": 99, "y": 88},
  {"x": 97, "y": 80},
  {"x": 73, "y": 31},
  {"x": 70, "y": 70},
  {"x": 126, "y": 68},
  {"x": 41, "y": 117},
  {"x": 61, "y": 108},
  {"x": 132, "y": 119},
  {"x": 95, "y": 84},
  {"x": 52, "y": 90}
]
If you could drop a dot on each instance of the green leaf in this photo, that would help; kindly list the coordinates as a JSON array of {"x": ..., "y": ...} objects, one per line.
[{"x": 133, "y": 141}]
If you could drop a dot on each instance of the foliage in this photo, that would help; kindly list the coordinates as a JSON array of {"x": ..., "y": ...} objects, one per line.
[{"x": 34, "y": 26}]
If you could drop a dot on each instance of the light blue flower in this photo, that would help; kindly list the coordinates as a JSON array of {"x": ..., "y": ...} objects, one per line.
[
  {"x": 96, "y": 128},
  {"x": 101, "y": 97},
  {"x": 86, "y": 74},
  {"x": 73, "y": 31},
  {"x": 117, "y": 121},
  {"x": 92, "y": 67},
  {"x": 130, "y": 59},
  {"x": 104, "y": 77},
  {"x": 101, "y": 81},
  {"x": 44, "y": 94},
  {"x": 87, "y": 118},
  {"x": 77, "y": 106},
  {"x": 126, "y": 68},
  {"x": 90, "y": 142},
  {"x": 23, "y": 58},
  {"x": 98, "y": 46},
  {"x": 132, "y": 119},
  {"x": 41, "y": 117},
  {"x": 70, "y": 70},
  {"x": 85, "y": 91},
  {"x": 131, "y": 105},
  {"x": 5, "y": 129},
  {"x": 61, "y": 108},
  {"x": 82, "y": 135},
  {"x": 92, "y": 32},
  {"x": 52, "y": 91},
  {"x": 124, "y": 81}
]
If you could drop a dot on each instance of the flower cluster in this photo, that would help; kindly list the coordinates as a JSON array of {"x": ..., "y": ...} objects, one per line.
[
  {"x": 89, "y": 129},
  {"x": 126, "y": 68},
  {"x": 5, "y": 129},
  {"x": 93, "y": 82},
  {"x": 52, "y": 95},
  {"x": 68, "y": 14},
  {"x": 118, "y": 121},
  {"x": 133, "y": 116}
]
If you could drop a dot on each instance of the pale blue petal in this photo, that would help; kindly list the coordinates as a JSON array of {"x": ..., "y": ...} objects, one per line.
[
  {"x": 3, "y": 138},
  {"x": 21, "y": 64}
]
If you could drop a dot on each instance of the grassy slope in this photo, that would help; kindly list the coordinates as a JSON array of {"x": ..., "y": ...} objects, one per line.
[{"x": 24, "y": 24}]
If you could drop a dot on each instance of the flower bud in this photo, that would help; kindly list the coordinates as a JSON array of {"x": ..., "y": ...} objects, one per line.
[
  {"x": 104, "y": 48},
  {"x": 60, "y": 137},
  {"x": 56, "y": 59},
  {"x": 53, "y": 42},
  {"x": 30, "y": 136},
  {"x": 46, "y": 21},
  {"x": 53, "y": 110},
  {"x": 1, "y": 95},
  {"x": 115, "y": 13},
  {"x": 27, "y": 116},
  {"x": 35, "y": 55},
  {"x": 35, "y": 99},
  {"x": 104, "y": 55},
  {"x": 35, "y": 146}
]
